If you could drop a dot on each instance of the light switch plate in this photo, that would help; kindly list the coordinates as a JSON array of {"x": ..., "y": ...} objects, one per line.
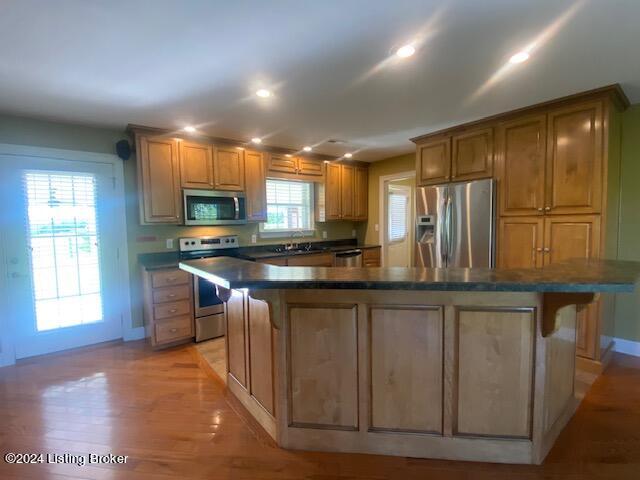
[
  {"x": 353, "y": 233},
  {"x": 254, "y": 238},
  {"x": 324, "y": 234},
  {"x": 376, "y": 227},
  {"x": 169, "y": 242}
]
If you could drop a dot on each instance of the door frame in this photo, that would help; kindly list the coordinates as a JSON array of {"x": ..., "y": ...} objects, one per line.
[
  {"x": 382, "y": 214},
  {"x": 7, "y": 339}
]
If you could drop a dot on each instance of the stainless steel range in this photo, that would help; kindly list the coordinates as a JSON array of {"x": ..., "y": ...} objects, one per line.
[{"x": 209, "y": 309}]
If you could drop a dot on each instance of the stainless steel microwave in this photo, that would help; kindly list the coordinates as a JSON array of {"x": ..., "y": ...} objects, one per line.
[{"x": 213, "y": 207}]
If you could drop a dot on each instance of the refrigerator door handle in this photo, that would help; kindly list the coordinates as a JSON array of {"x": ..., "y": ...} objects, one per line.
[
  {"x": 442, "y": 232},
  {"x": 450, "y": 230}
]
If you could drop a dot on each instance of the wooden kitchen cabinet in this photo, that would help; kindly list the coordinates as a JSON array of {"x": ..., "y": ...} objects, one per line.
[
  {"x": 434, "y": 161},
  {"x": 256, "y": 189},
  {"x": 294, "y": 168},
  {"x": 158, "y": 180},
  {"x": 328, "y": 203},
  {"x": 521, "y": 146},
  {"x": 520, "y": 242},
  {"x": 228, "y": 168},
  {"x": 371, "y": 257},
  {"x": 168, "y": 306},
  {"x": 472, "y": 155},
  {"x": 347, "y": 203},
  {"x": 311, "y": 260},
  {"x": 196, "y": 165},
  {"x": 361, "y": 193},
  {"x": 574, "y": 159}
]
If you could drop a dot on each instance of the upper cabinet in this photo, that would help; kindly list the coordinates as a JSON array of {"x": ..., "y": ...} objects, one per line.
[
  {"x": 434, "y": 161},
  {"x": 294, "y": 168},
  {"x": 472, "y": 155},
  {"x": 462, "y": 156},
  {"x": 228, "y": 168},
  {"x": 521, "y": 144},
  {"x": 574, "y": 159},
  {"x": 158, "y": 180},
  {"x": 255, "y": 183},
  {"x": 343, "y": 195},
  {"x": 196, "y": 165}
]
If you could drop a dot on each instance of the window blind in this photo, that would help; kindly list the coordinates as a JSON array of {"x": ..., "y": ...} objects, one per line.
[
  {"x": 397, "y": 222},
  {"x": 289, "y": 206}
]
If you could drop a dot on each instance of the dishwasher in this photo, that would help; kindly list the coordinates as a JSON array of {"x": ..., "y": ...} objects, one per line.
[{"x": 349, "y": 258}]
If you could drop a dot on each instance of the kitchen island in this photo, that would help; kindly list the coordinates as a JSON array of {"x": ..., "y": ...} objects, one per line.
[{"x": 463, "y": 364}]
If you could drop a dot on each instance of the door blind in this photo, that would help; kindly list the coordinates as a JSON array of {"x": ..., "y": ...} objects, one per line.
[
  {"x": 62, "y": 232},
  {"x": 398, "y": 204}
]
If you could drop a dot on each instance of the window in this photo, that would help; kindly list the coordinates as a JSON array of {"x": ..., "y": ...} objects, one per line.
[
  {"x": 289, "y": 207},
  {"x": 398, "y": 199}
]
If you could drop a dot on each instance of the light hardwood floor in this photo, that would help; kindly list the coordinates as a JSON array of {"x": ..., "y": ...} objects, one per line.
[
  {"x": 214, "y": 352},
  {"x": 175, "y": 420}
]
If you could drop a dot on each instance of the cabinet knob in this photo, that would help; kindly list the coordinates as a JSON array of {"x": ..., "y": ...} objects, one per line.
[
  {"x": 547, "y": 250},
  {"x": 538, "y": 249},
  {"x": 547, "y": 208},
  {"x": 540, "y": 209},
  {"x": 173, "y": 330},
  {"x": 171, "y": 295},
  {"x": 171, "y": 279},
  {"x": 173, "y": 310}
]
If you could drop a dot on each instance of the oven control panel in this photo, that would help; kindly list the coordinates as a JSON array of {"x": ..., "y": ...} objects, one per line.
[{"x": 195, "y": 244}]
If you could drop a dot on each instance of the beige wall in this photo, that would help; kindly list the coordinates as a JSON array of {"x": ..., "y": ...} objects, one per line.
[{"x": 389, "y": 166}]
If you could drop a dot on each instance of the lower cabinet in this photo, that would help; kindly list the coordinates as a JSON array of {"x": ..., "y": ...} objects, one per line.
[
  {"x": 371, "y": 257},
  {"x": 526, "y": 242},
  {"x": 305, "y": 260},
  {"x": 250, "y": 344},
  {"x": 168, "y": 306}
]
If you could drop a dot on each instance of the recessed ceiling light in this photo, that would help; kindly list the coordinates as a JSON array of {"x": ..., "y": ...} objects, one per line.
[
  {"x": 348, "y": 155},
  {"x": 406, "y": 51},
  {"x": 519, "y": 57},
  {"x": 263, "y": 93},
  {"x": 288, "y": 155},
  {"x": 307, "y": 149},
  {"x": 256, "y": 140},
  {"x": 189, "y": 129}
]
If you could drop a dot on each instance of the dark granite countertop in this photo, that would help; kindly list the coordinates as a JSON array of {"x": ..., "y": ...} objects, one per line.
[
  {"x": 575, "y": 276},
  {"x": 158, "y": 261}
]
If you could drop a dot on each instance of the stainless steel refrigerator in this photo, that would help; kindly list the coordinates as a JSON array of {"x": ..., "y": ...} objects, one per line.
[{"x": 455, "y": 225}]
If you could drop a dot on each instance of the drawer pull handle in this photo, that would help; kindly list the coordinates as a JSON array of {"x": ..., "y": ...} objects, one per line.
[
  {"x": 173, "y": 330},
  {"x": 173, "y": 310},
  {"x": 171, "y": 295}
]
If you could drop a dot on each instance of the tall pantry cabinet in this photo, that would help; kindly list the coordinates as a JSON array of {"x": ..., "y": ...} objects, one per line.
[{"x": 557, "y": 167}]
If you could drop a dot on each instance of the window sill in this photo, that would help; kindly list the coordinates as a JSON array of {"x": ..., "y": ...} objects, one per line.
[{"x": 287, "y": 234}]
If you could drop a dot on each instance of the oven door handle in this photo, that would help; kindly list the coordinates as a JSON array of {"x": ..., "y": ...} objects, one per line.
[{"x": 236, "y": 203}]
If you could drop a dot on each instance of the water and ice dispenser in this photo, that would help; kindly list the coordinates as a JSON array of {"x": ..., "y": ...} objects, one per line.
[{"x": 426, "y": 229}]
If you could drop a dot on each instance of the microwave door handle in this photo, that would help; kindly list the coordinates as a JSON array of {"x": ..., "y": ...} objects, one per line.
[{"x": 236, "y": 204}]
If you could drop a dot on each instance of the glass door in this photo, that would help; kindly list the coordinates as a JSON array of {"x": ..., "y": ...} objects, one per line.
[{"x": 58, "y": 239}]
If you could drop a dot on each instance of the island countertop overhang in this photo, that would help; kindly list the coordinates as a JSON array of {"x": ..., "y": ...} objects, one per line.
[{"x": 597, "y": 276}]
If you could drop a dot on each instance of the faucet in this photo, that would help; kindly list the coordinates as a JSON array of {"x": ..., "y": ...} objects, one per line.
[{"x": 292, "y": 245}]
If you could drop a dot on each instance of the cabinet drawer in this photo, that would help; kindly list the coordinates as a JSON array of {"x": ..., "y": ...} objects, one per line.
[
  {"x": 171, "y": 294},
  {"x": 172, "y": 309},
  {"x": 167, "y": 278},
  {"x": 174, "y": 329},
  {"x": 371, "y": 257},
  {"x": 311, "y": 260}
]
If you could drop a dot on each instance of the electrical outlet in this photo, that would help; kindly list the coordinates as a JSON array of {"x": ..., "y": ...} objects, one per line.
[
  {"x": 376, "y": 227},
  {"x": 324, "y": 234},
  {"x": 254, "y": 238},
  {"x": 169, "y": 243},
  {"x": 353, "y": 233}
]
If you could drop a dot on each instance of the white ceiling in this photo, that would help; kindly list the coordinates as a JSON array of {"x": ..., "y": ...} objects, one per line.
[{"x": 169, "y": 63}]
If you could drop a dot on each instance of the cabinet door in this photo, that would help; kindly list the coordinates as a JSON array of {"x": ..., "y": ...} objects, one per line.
[
  {"x": 309, "y": 167},
  {"x": 576, "y": 236},
  {"x": 278, "y": 163},
  {"x": 520, "y": 242},
  {"x": 159, "y": 180},
  {"x": 472, "y": 155},
  {"x": 196, "y": 165},
  {"x": 434, "y": 161},
  {"x": 574, "y": 159},
  {"x": 236, "y": 340},
  {"x": 361, "y": 193},
  {"x": 332, "y": 194},
  {"x": 255, "y": 184},
  {"x": 371, "y": 257},
  {"x": 228, "y": 169},
  {"x": 521, "y": 148},
  {"x": 347, "y": 180},
  {"x": 311, "y": 260}
]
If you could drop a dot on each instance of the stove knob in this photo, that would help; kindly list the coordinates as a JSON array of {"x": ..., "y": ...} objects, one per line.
[
  {"x": 227, "y": 240},
  {"x": 193, "y": 243}
]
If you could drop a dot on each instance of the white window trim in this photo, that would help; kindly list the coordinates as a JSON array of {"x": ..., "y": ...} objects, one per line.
[
  {"x": 300, "y": 233},
  {"x": 382, "y": 225}
]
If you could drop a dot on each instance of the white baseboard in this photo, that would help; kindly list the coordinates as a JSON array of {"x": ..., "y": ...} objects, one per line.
[
  {"x": 627, "y": 346},
  {"x": 137, "y": 333}
]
